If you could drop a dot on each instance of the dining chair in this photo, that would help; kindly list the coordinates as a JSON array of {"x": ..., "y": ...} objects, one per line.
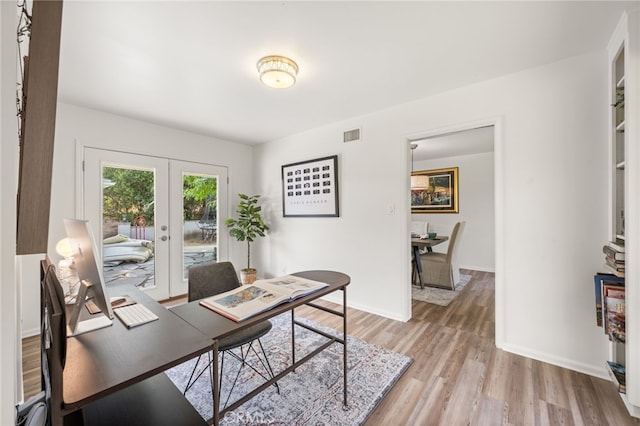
[
  {"x": 441, "y": 269},
  {"x": 209, "y": 279}
]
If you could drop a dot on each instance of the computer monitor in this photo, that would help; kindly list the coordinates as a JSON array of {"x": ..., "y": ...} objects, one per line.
[{"x": 92, "y": 285}]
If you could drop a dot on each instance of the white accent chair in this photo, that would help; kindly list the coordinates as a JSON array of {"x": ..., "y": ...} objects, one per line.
[
  {"x": 419, "y": 228},
  {"x": 441, "y": 269}
]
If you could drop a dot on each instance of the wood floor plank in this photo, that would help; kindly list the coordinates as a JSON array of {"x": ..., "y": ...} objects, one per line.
[{"x": 458, "y": 376}]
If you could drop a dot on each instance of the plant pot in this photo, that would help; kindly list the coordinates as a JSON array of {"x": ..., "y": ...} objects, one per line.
[{"x": 248, "y": 276}]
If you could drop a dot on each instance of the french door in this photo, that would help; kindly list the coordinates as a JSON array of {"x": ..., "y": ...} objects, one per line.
[{"x": 153, "y": 217}]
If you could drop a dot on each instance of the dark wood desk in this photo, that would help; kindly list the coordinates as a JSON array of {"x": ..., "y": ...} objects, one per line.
[
  {"x": 217, "y": 326},
  {"x": 416, "y": 245},
  {"x": 107, "y": 361}
]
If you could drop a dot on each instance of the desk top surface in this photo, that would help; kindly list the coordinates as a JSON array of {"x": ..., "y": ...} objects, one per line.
[
  {"x": 217, "y": 326},
  {"x": 427, "y": 242},
  {"x": 109, "y": 359}
]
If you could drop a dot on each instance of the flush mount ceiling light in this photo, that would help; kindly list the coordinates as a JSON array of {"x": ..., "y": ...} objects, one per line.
[{"x": 277, "y": 71}]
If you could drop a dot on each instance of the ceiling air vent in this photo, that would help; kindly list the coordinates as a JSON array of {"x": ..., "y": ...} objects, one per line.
[{"x": 351, "y": 135}]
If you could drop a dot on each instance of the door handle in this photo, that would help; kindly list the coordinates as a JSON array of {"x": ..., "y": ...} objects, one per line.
[{"x": 164, "y": 238}]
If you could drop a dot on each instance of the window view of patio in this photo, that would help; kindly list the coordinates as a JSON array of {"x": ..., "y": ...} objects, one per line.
[
  {"x": 200, "y": 220},
  {"x": 129, "y": 228}
]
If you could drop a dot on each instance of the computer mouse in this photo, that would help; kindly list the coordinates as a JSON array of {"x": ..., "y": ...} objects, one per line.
[{"x": 115, "y": 301}]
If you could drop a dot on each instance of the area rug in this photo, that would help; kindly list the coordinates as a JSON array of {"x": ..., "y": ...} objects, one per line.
[
  {"x": 312, "y": 395},
  {"x": 439, "y": 296}
]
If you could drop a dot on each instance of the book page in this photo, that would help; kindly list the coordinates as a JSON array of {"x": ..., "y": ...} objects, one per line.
[
  {"x": 291, "y": 285},
  {"x": 244, "y": 301}
]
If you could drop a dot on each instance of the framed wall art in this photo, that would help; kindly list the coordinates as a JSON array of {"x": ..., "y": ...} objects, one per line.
[
  {"x": 434, "y": 191},
  {"x": 310, "y": 188}
]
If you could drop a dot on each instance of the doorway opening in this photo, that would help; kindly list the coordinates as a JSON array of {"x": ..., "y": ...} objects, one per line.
[{"x": 474, "y": 149}]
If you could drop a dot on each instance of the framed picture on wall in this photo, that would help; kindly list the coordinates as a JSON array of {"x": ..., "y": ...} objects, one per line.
[
  {"x": 434, "y": 191},
  {"x": 310, "y": 188}
]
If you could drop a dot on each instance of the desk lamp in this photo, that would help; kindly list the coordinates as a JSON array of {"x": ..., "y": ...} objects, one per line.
[{"x": 66, "y": 271}]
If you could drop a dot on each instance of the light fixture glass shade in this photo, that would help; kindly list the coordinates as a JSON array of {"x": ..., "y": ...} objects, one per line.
[
  {"x": 419, "y": 182},
  {"x": 277, "y": 71},
  {"x": 63, "y": 248}
]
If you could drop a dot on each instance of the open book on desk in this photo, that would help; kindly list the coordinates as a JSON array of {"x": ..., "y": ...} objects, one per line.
[{"x": 248, "y": 300}]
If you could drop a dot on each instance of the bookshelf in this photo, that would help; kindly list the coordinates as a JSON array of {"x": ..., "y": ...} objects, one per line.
[{"x": 624, "y": 216}]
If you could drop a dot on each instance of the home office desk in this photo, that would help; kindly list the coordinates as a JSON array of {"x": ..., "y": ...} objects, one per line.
[
  {"x": 216, "y": 326},
  {"x": 115, "y": 369},
  {"x": 417, "y": 244}
]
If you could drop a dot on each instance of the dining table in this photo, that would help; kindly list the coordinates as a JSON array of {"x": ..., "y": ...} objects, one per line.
[{"x": 418, "y": 243}]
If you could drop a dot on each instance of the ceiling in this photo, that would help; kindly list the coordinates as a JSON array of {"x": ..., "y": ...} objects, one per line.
[
  {"x": 192, "y": 65},
  {"x": 465, "y": 142}
]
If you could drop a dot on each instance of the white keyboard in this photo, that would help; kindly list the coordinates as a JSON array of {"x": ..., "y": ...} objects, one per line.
[{"x": 135, "y": 315}]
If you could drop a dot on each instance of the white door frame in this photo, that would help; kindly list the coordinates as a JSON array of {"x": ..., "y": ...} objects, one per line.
[
  {"x": 498, "y": 146},
  {"x": 94, "y": 159},
  {"x": 177, "y": 284}
]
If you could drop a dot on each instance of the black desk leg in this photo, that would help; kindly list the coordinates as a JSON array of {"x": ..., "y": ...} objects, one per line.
[
  {"x": 293, "y": 338},
  {"x": 344, "y": 346},
  {"x": 214, "y": 386},
  {"x": 416, "y": 259}
]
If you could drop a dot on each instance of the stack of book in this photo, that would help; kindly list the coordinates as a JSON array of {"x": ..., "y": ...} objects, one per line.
[
  {"x": 614, "y": 257},
  {"x": 610, "y": 305}
]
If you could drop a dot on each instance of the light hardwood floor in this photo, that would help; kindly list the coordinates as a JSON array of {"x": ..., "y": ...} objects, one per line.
[{"x": 458, "y": 377}]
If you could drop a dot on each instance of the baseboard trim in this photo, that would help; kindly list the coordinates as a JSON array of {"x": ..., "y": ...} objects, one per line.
[
  {"x": 591, "y": 370},
  {"x": 30, "y": 333},
  {"x": 478, "y": 268},
  {"x": 386, "y": 314}
]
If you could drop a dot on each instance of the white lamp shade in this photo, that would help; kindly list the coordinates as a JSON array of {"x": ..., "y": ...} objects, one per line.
[
  {"x": 419, "y": 182},
  {"x": 63, "y": 248}
]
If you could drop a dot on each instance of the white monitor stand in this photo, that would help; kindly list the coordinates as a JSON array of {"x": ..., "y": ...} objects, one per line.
[{"x": 76, "y": 326}]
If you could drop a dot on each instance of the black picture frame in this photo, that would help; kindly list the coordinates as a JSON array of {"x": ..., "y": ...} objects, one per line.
[{"x": 310, "y": 188}]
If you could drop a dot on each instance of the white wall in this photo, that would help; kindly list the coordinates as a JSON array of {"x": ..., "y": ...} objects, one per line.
[
  {"x": 550, "y": 159},
  {"x": 10, "y": 359},
  {"x": 476, "y": 249},
  {"x": 98, "y": 129}
]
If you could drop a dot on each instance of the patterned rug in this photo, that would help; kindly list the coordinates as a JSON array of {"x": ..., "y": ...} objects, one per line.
[
  {"x": 312, "y": 395},
  {"x": 438, "y": 296}
]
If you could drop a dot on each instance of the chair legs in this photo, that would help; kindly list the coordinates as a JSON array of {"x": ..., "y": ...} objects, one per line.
[{"x": 242, "y": 359}]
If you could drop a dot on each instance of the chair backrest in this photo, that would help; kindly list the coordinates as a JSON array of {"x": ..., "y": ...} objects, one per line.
[
  {"x": 53, "y": 340},
  {"x": 208, "y": 214},
  {"x": 207, "y": 279},
  {"x": 453, "y": 241},
  {"x": 419, "y": 228}
]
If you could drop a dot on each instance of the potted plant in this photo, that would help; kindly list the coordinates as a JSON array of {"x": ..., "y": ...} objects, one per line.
[{"x": 247, "y": 227}]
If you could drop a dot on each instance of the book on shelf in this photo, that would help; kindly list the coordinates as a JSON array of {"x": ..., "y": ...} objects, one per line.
[
  {"x": 613, "y": 253},
  {"x": 618, "y": 245},
  {"x": 618, "y": 375},
  {"x": 614, "y": 312},
  {"x": 613, "y": 271},
  {"x": 600, "y": 280},
  {"x": 249, "y": 300},
  {"x": 618, "y": 266}
]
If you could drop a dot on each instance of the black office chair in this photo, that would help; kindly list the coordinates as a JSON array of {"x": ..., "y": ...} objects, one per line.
[{"x": 208, "y": 279}]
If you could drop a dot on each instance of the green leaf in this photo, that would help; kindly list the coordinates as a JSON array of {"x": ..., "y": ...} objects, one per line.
[{"x": 249, "y": 223}]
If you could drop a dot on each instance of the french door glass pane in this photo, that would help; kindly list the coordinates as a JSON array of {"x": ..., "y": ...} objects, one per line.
[
  {"x": 200, "y": 219},
  {"x": 128, "y": 225}
]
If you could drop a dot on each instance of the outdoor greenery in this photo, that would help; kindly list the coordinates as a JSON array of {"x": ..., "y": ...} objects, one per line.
[
  {"x": 249, "y": 224},
  {"x": 130, "y": 193},
  {"x": 198, "y": 192}
]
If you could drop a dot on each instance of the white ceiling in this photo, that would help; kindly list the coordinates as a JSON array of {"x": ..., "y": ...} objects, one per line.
[
  {"x": 191, "y": 65},
  {"x": 466, "y": 142}
]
